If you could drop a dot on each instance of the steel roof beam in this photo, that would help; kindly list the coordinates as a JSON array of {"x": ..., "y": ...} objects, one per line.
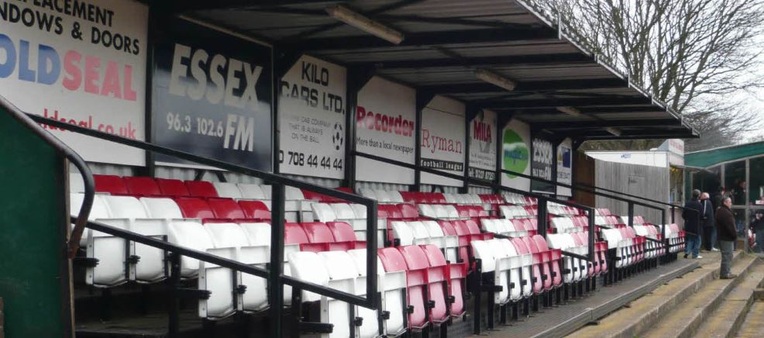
[
  {"x": 423, "y": 39},
  {"x": 552, "y": 103},
  {"x": 501, "y": 61},
  {"x": 530, "y": 86},
  {"x": 605, "y": 123}
]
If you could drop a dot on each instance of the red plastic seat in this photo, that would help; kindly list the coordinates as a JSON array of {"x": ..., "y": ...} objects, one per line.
[
  {"x": 226, "y": 208},
  {"x": 111, "y": 184},
  {"x": 142, "y": 186},
  {"x": 553, "y": 256},
  {"x": 409, "y": 211},
  {"x": 456, "y": 274},
  {"x": 294, "y": 233},
  {"x": 201, "y": 189},
  {"x": 389, "y": 211},
  {"x": 192, "y": 207},
  {"x": 321, "y": 233},
  {"x": 172, "y": 187},
  {"x": 255, "y": 210},
  {"x": 536, "y": 276},
  {"x": 416, "y": 281},
  {"x": 436, "y": 279},
  {"x": 343, "y": 232},
  {"x": 542, "y": 257}
]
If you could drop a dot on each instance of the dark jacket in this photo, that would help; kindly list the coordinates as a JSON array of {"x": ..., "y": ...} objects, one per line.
[
  {"x": 707, "y": 214},
  {"x": 757, "y": 224},
  {"x": 691, "y": 215},
  {"x": 725, "y": 224}
]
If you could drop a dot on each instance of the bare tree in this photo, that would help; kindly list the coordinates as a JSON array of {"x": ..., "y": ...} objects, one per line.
[{"x": 692, "y": 54}]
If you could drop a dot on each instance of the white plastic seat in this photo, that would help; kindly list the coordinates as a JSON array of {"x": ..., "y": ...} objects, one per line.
[
  {"x": 440, "y": 211},
  {"x": 324, "y": 212},
  {"x": 252, "y": 191},
  {"x": 191, "y": 235},
  {"x": 368, "y": 193},
  {"x": 383, "y": 196},
  {"x": 227, "y": 189},
  {"x": 403, "y": 232},
  {"x": 426, "y": 210},
  {"x": 219, "y": 281},
  {"x": 392, "y": 287},
  {"x": 421, "y": 235},
  {"x": 451, "y": 212},
  {"x": 76, "y": 184},
  {"x": 161, "y": 207},
  {"x": 448, "y": 244},
  {"x": 309, "y": 267},
  {"x": 259, "y": 236},
  {"x": 395, "y": 196},
  {"x": 342, "y": 272}
]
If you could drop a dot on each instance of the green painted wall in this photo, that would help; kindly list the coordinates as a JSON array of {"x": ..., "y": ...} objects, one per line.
[{"x": 33, "y": 269}]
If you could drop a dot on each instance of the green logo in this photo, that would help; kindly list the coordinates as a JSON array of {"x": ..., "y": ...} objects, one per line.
[{"x": 516, "y": 152}]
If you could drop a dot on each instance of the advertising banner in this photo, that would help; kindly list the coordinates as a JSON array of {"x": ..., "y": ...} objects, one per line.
[
  {"x": 443, "y": 138},
  {"x": 385, "y": 124},
  {"x": 541, "y": 165},
  {"x": 565, "y": 166},
  {"x": 312, "y": 119},
  {"x": 483, "y": 146},
  {"x": 212, "y": 96},
  {"x": 516, "y": 154},
  {"x": 81, "y": 62}
]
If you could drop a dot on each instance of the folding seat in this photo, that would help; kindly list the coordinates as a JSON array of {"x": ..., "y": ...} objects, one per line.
[
  {"x": 294, "y": 233},
  {"x": 106, "y": 251},
  {"x": 511, "y": 265},
  {"x": 111, "y": 184},
  {"x": 146, "y": 264},
  {"x": 542, "y": 258},
  {"x": 251, "y": 191},
  {"x": 191, "y": 235},
  {"x": 421, "y": 235},
  {"x": 441, "y": 212},
  {"x": 172, "y": 187},
  {"x": 193, "y": 207},
  {"x": 437, "y": 198},
  {"x": 463, "y": 211},
  {"x": 318, "y": 232},
  {"x": 341, "y": 268},
  {"x": 392, "y": 295},
  {"x": 519, "y": 226},
  {"x": 201, "y": 189},
  {"x": 448, "y": 244},
  {"x": 161, "y": 207},
  {"x": 504, "y": 226},
  {"x": 226, "y": 209},
  {"x": 402, "y": 232},
  {"x": 561, "y": 242},
  {"x": 409, "y": 211},
  {"x": 536, "y": 280},
  {"x": 224, "y": 299},
  {"x": 436, "y": 279},
  {"x": 383, "y": 196},
  {"x": 613, "y": 237},
  {"x": 344, "y": 212},
  {"x": 141, "y": 186},
  {"x": 553, "y": 256},
  {"x": 581, "y": 247},
  {"x": 227, "y": 189},
  {"x": 255, "y": 210},
  {"x": 258, "y": 254},
  {"x": 323, "y": 212},
  {"x": 395, "y": 197},
  {"x": 295, "y": 203},
  {"x": 426, "y": 210},
  {"x": 343, "y": 233},
  {"x": 309, "y": 267},
  {"x": 456, "y": 274},
  {"x": 451, "y": 198},
  {"x": 416, "y": 284},
  {"x": 368, "y": 193},
  {"x": 489, "y": 225}
]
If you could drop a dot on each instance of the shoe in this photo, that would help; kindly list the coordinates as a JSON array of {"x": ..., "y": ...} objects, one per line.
[
  {"x": 698, "y": 257},
  {"x": 685, "y": 255},
  {"x": 730, "y": 276},
  {"x": 714, "y": 249}
]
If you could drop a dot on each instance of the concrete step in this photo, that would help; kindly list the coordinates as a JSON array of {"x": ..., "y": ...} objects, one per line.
[
  {"x": 690, "y": 314},
  {"x": 648, "y": 310},
  {"x": 725, "y": 321},
  {"x": 753, "y": 325}
]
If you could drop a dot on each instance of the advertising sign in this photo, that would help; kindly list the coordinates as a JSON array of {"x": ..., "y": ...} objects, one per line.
[
  {"x": 442, "y": 145},
  {"x": 565, "y": 166},
  {"x": 483, "y": 146},
  {"x": 541, "y": 165},
  {"x": 81, "y": 62},
  {"x": 312, "y": 119},
  {"x": 212, "y": 96},
  {"x": 516, "y": 154},
  {"x": 385, "y": 124}
]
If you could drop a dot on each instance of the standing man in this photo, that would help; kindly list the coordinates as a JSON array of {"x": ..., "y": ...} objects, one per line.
[
  {"x": 707, "y": 221},
  {"x": 757, "y": 225},
  {"x": 725, "y": 227},
  {"x": 691, "y": 214}
]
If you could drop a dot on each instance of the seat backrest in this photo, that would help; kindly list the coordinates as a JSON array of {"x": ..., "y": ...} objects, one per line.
[
  {"x": 227, "y": 235},
  {"x": 426, "y": 210},
  {"x": 201, "y": 189},
  {"x": 295, "y": 234},
  {"x": 472, "y": 226},
  {"x": 392, "y": 259},
  {"x": 293, "y": 194},
  {"x": 343, "y": 211},
  {"x": 415, "y": 257},
  {"x": 255, "y": 210},
  {"x": 359, "y": 210},
  {"x": 172, "y": 187},
  {"x": 257, "y": 233},
  {"x": 190, "y": 235},
  {"x": 323, "y": 212},
  {"x": 226, "y": 208},
  {"x": 161, "y": 207},
  {"x": 251, "y": 191},
  {"x": 227, "y": 189},
  {"x": 485, "y": 252},
  {"x": 342, "y": 231},
  {"x": 99, "y": 209},
  {"x": 125, "y": 207},
  {"x": 141, "y": 186},
  {"x": 434, "y": 255},
  {"x": 111, "y": 184},
  {"x": 193, "y": 207},
  {"x": 318, "y": 232},
  {"x": 419, "y": 230},
  {"x": 448, "y": 228},
  {"x": 408, "y": 211},
  {"x": 520, "y": 247},
  {"x": 433, "y": 228},
  {"x": 395, "y": 197},
  {"x": 309, "y": 267},
  {"x": 403, "y": 232},
  {"x": 368, "y": 193},
  {"x": 540, "y": 243}
]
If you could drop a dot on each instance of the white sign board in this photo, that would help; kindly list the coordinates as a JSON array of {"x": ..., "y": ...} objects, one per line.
[
  {"x": 443, "y": 136},
  {"x": 80, "y": 62},
  {"x": 565, "y": 166},
  {"x": 483, "y": 146},
  {"x": 312, "y": 119},
  {"x": 385, "y": 125},
  {"x": 516, "y": 138}
]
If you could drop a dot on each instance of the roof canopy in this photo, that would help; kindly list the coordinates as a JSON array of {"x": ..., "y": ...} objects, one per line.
[
  {"x": 712, "y": 157},
  {"x": 446, "y": 41}
]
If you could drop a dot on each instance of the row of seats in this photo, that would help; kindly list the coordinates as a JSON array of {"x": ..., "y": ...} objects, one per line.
[
  {"x": 569, "y": 224},
  {"x": 518, "y": 227}
]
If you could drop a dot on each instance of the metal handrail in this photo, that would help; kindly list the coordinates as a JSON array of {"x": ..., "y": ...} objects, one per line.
[{"x": 73, "y": 243}]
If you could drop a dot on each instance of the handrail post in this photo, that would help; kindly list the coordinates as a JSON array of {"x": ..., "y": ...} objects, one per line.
[
  {"x": 275, "y": 285},
  {"x": 673, "y": 212},
  {"x": 592, "y": 228},
  {"x": 631, "y": 214},
  {"x": 543, "y": 203}
]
